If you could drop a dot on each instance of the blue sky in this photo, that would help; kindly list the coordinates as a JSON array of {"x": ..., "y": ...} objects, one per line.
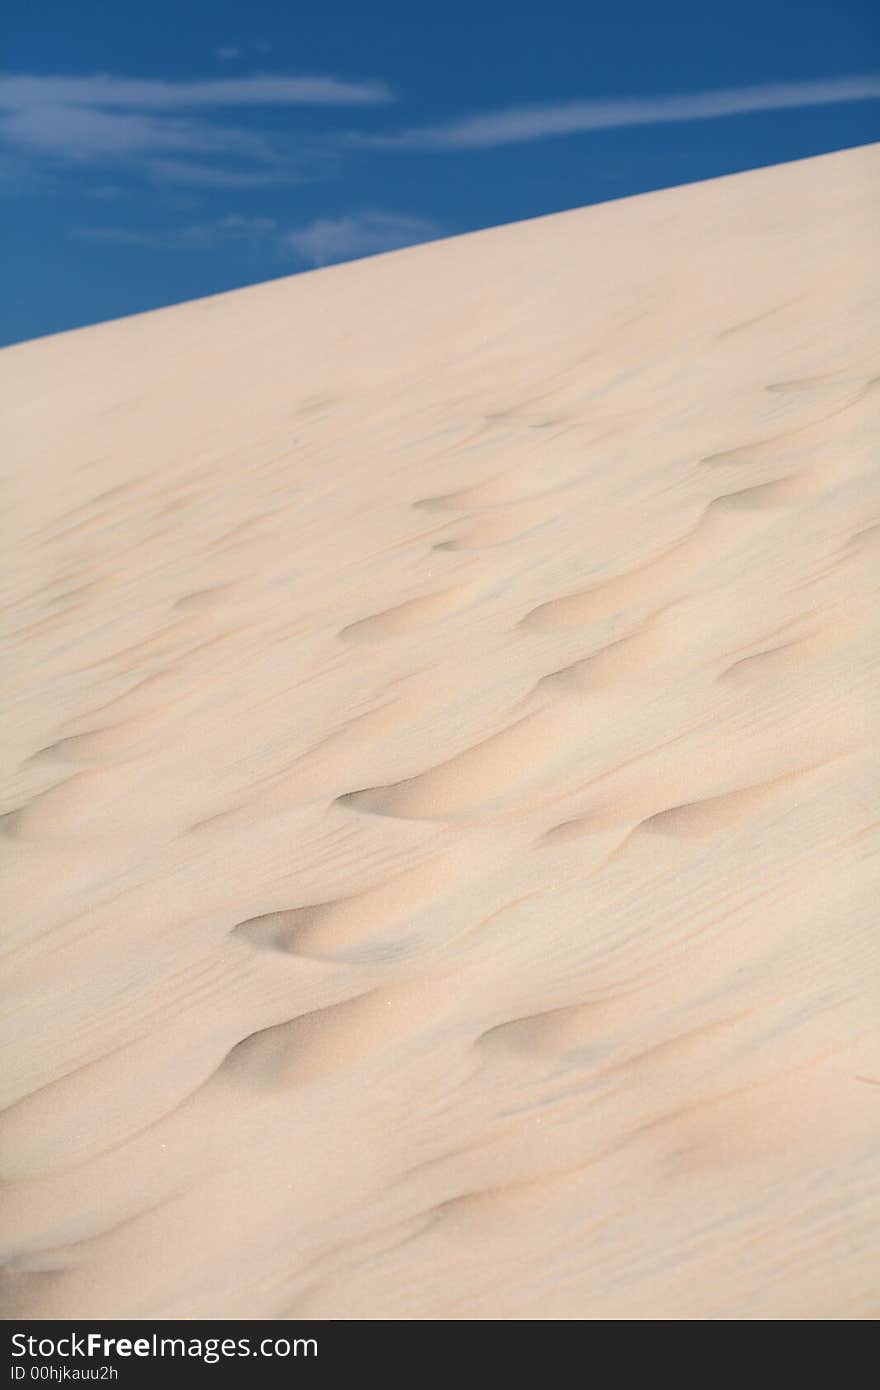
[{"x": 152, "y": 154}]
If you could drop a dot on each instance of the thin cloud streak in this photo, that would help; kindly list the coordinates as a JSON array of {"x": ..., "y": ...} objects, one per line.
[
  {"x": 81, "y": 132},
  {"x": 186, "y": 171},
  {"x": 519, "y": 124},
  {"x": 232, "y": 227},
  {"x": 20, "y": 91}
]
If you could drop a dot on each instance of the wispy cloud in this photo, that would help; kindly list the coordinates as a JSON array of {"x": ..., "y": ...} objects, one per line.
[
  {"x": 227, "y": 53},
  {"x": 152, "y": 94},
  {"x": 329, "y": 239},
  {"x": 187, "y": 171},
  {"x": 317, "y": 243},
  {"x": 517, "y": 124},
  {"x": 156, "y": 125},
  {"x": 232, "y": 227},
  {"x": 82, "y": 132}
]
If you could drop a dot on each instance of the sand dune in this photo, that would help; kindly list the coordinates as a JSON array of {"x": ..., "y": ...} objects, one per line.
[{"x": 439, "y": 820}]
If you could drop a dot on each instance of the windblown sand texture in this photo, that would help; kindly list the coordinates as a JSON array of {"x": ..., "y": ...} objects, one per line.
[{"x": 440, "y": 836}]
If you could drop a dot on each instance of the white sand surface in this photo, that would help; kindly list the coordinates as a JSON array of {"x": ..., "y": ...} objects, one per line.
[{"x": 440, "y": 779}]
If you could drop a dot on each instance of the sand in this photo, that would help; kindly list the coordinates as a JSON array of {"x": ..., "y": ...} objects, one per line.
[{"x": 440, "y": 799}]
